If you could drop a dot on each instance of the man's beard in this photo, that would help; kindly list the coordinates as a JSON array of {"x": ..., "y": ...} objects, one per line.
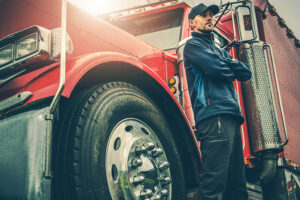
[{"x": 205, "y": 30}]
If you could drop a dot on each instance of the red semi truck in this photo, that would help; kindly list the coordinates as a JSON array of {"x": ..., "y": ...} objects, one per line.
[{"x": 103, "y": 111}]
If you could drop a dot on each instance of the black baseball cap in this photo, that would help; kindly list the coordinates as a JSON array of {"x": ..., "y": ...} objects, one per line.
[{"x": 202, "y": 8}]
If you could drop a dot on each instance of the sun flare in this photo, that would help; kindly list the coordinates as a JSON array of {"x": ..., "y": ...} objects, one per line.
[{"x": 94, "y": 7}]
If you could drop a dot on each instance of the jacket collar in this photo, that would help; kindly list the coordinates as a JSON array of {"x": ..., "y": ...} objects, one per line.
[{"x": 206, "y": 36}]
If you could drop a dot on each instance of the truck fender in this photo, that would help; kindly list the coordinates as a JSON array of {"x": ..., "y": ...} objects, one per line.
[
  {"x": 109, "y": 66},
  {"x": 88, "y": 70}
]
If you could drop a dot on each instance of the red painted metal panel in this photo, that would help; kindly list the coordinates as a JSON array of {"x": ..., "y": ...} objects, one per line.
[
  {"x": 244, "y": 126},
  {"x": 91, "y": 37},
  {"x": 186, "y": 30},
  {"x": 44, "y": 82},
  {"x": 88, "y": 33},
  {"x": 225, "y": 26}
]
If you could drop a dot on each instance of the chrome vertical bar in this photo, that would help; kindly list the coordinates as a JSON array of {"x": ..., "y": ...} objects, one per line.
[
  {"x": 233, "y": 24},
  {"x": 279, "y": 94},
  {"x": 53, "y": 105}
]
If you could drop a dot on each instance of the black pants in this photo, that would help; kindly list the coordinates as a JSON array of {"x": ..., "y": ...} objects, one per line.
[{"x": 223, "y": 171}]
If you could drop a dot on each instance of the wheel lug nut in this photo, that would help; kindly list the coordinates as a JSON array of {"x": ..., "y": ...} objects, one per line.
[
  {"x": 139, "y": 150},
  {"x": 150, "y": 146},
  {"x": 136, "y": 163},
  {"x": 138, "y": 179},
  {"x": 164, "y": 192},
  {"x": 145, "y": 193},
  {"x": 163, "y": 165},
  {"x": 156, "y": 197},
  {"x": 157, "y": 152},
  {"x": 166, "y": 180}
]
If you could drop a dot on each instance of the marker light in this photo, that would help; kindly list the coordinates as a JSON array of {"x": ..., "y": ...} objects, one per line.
[
  {"x": 173, "y": 90},
  {"x": 172, "y": 81},
  {"x": 55, "y": 44},
  {"x": 6, "y": 55}
]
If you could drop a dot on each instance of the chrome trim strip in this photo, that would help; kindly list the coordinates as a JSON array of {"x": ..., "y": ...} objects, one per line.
[{"x": 14, "y": 101}]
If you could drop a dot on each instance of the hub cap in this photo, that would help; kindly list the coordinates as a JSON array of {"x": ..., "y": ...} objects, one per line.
[{"x": 136, "y": 163}]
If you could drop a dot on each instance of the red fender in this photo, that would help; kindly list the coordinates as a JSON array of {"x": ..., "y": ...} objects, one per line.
[{"x": 44, "y": 82}]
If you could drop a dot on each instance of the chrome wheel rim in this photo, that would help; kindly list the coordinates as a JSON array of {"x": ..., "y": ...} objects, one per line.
[{"x": 136, "y": 164}]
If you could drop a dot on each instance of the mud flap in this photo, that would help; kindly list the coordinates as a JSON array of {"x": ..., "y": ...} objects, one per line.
[{"x": 22, "y": 157}]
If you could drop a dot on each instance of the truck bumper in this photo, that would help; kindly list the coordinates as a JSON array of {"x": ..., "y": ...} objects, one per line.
[{"x": 22, "y": 157}]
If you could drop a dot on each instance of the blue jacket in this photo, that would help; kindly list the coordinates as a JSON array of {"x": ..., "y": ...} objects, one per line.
[{"x": 210, "y": 72}]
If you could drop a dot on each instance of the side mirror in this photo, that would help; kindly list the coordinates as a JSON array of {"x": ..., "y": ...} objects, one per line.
[{"x": 246, "y": 22}]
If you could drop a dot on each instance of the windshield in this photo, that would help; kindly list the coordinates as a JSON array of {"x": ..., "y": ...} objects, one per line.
[{"x": 162, "y": 30}]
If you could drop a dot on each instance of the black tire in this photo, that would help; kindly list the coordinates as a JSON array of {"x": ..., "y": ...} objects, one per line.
[{"x": 103, "y": 131}]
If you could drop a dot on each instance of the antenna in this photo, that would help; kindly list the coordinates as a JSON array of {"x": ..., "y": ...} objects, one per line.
[{"x": 221, "y": 2}]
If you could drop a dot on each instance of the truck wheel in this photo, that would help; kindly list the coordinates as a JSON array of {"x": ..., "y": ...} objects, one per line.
[{"x": 115, "y": 144}]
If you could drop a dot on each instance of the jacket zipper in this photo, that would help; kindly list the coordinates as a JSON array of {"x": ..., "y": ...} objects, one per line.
[
  {"x": 219, "y": 124},
  {"x": 206, "y": 91}
]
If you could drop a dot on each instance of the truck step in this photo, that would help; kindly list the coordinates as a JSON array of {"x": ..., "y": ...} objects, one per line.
[{"x": 254, "y": 192}]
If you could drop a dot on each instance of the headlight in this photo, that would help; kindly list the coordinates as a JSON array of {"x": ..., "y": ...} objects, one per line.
[
  {"x": 29, "y": 49},
  {"x": 6, "y": 54},
  {"x": 27, "y": 45}
]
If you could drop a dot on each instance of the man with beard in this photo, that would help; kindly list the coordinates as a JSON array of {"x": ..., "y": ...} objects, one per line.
[{"x": 210, "y": 73}]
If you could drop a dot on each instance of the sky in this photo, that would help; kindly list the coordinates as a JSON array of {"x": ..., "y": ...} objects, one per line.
[{"x": 287, "y": 9}]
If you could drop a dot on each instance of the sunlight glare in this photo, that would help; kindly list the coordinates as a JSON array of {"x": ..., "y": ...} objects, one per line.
[{"x": 95, "y": 7}]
